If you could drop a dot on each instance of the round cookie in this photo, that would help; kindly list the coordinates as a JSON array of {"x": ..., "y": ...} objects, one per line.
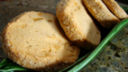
[
  {"x": 33, "y": 40},
  {"x": 116, "y": 9},
  {"x": 77, "y": 24},
  {"x": 101, "y": 13}
]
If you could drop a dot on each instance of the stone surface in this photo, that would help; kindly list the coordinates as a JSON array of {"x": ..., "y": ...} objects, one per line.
[{"x": 114, "y": 57}]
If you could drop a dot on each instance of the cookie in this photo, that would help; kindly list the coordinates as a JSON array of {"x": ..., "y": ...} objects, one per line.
[
  {"x": 101, "y": 13},
  {"x": 77, "y": 23},
  {"x": 33, "y": 40}
]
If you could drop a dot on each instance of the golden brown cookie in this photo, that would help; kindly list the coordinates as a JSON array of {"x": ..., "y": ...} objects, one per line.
[
  {"x": 33, "y": 40},
  {"x": 101, "y": 13},
  {"x": 76, "y": 23},
  {"x": 116, "y": 9}
]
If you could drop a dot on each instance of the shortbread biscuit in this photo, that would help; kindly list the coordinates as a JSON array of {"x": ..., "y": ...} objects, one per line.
[
  {"x": 76, "y": 23},
  {"x": 33, "y": 40},
  {"x": 101, "y": 13},
  {"x": 116, "y": 9}
]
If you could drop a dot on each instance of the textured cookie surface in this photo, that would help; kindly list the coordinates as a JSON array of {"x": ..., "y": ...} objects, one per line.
[
  {"x": 100, "y": 12},
  {"x": 33, "y": 40},
  {"x": 76, "y": 22},
  {"x": 116, "y": 9}
]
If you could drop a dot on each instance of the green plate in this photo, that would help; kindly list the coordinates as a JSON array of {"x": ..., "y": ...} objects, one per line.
[{"x": 79, "y": 64}]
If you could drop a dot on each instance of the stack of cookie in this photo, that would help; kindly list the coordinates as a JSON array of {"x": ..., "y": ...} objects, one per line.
[{"x": 35, "y": 40}]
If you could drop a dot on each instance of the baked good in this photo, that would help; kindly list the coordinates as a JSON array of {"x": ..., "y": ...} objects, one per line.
[
  {"x": 33, "y": 40},
  {"x": 77, "y": 24},
  {"x": 101, "y": 13},
  {"x": 116, "y": 9}
]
